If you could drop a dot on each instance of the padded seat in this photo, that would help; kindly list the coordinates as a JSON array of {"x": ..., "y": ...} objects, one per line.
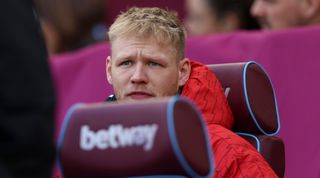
[
  {"x": 253, "y": 103},
  {"x": 144, "y": 138}
]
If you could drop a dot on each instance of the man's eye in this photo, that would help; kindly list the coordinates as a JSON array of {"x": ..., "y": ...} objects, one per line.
[
  {"x": 154, "y": 64},
  {"x": 125, "y": 63}
]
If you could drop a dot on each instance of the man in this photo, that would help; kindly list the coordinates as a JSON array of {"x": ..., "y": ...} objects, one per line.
[
  {"x": 26, "y": 95},
  {"x": 219, "y": 16},
  {"x": 281, "y": 14},
  {"x": 147, "y": 60},
  {"x": 69, "y": 24}
]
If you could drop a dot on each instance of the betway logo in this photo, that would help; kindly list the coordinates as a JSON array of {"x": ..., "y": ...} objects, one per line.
[{"x": 117, "y": 136}]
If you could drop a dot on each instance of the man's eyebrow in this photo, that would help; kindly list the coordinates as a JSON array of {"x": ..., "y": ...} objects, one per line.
[
  {"x": 155, "y": 56},
  {"x": 124, "y": 56}
]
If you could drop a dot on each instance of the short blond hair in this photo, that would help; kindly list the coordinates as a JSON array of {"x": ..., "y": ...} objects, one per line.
[{"x": 162, "y": 25}]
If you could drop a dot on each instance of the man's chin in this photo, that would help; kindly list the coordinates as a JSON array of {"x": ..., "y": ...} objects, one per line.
[
  {"x": 135, "y": 98},
  {"x": 139, "y": 97}
]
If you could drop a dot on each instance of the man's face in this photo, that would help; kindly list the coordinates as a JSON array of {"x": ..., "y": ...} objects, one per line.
[
  {"x": 142, "y": 68},
  {"x": 278, "y": 14},
  {"x": 200, "y": 20}
]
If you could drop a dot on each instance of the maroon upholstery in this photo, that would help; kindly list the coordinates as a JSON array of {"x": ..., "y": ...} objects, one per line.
[
  {"x": 155, "y": 137},
  {"x": 272, "y": 149},
  {"x": 253, "y": 103}
]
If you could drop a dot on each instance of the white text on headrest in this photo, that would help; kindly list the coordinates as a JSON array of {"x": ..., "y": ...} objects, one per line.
[{"x": 116, "y": 136}]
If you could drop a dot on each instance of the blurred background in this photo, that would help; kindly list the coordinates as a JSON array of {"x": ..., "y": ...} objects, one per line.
[{"x": 71, "y": 24}]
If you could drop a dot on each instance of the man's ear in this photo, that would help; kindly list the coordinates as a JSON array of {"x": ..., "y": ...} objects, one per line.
[
  {"x": 310, "y": 8},
  {"x": 108, "y": 70},
  {"x": 184, "y": 71}
]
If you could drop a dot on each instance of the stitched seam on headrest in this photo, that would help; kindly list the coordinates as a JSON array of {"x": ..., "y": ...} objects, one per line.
[
  {"x": 248, "y": 104},
  {"x": 65, "y": 124},
  {"x": 176, "y": 148},
  {"x": 254, "y": 137}
]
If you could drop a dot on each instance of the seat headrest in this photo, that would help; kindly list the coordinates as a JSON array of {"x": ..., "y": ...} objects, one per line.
[
  {"x": 251, "y": 97},
  {"x": 164, "y": 136}
]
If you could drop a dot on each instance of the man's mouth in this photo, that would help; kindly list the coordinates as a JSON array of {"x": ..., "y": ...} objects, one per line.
[
  {"x": 138, "y": 95},
  {"x": 264, "y": 24}
]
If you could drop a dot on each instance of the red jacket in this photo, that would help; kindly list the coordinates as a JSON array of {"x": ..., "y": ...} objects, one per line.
[{"x": 234, "y": 156}]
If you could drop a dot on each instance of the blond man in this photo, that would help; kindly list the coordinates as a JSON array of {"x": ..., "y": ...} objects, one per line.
[
  {"x": 147, "y": 60},
  {"x": 283, "y": 14}
]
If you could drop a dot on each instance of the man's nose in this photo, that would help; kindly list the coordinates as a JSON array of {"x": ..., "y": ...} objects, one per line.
[
  {"x": 257, "y": 8},
  {"x": 139, "y": 74}
]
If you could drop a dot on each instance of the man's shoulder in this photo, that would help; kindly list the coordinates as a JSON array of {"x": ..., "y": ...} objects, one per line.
[
  {"x": 235, "y": 156},
  {"x": 201, "y": 71},
  {"x": 111, "y": 98},
  {"x": 222, "y": 135}
]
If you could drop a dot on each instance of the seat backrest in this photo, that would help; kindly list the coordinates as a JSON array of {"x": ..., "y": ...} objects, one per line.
[
  {"x": 135, "y": 139},
  {"x": 253, "y": 103}
]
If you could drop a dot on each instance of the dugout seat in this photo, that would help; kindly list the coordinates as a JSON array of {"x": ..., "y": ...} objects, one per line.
[{"x": 253, "y": 103}]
